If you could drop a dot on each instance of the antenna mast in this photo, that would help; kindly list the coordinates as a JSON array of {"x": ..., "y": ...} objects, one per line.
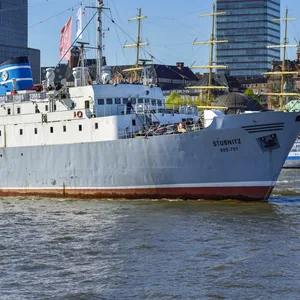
[
  {"x": 99, "y": 8},
  {"x": 211, "y": 43},
  {"x": 283, "y": 72}
]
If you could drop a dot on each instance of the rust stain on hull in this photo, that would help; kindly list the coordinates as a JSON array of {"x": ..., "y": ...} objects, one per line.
[{"x": 257, "y": 193}]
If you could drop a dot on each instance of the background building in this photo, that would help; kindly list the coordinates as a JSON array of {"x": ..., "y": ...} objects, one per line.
[
  {"x": 249, "y": 29},
  {"x": 14, "y": 34}
]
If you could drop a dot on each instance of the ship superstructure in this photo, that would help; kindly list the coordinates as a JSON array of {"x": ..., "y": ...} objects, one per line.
[{"x": 113, "y": 140}]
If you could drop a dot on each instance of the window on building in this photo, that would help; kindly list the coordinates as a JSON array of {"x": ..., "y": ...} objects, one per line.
[
  {"x": 35, "y": 130},
  {"x": 109, "y": 101},
  {"x": 125, "y": 100},
  {"x": 100, "y": 101},
  {"x": 96, "y": 125},
  {"x": 117, "y": 100},
  {"x": 159, "y": 103},
  {"x": 87, "y": 104},
  {"x": 46, "y": 107},
  {"x": 21, "y": 131},
  {"x": 51, "y": 129},
  {"x": 18, "y": 110},
  {"x": 80, "y": 127},
  {"x": 153, "y": 102},
  {"x": 133, "y": 122},
  {"x": 140, "y": 101},
  {"x": 8, "y": 111},
  {"x": 64, "y": 128}
]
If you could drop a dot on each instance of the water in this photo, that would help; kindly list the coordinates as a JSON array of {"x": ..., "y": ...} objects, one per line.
[{"x": 54, "y": 249}]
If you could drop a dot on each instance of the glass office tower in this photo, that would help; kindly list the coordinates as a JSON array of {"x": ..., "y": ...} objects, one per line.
[
  {"x": 249, "y": 29},
  {"x": 14, "y": 34}
]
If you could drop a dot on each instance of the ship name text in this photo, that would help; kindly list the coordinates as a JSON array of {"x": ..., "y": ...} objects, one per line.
[
  {"x": 228, "y": 145},
  {"x": 227, "y": 142}
]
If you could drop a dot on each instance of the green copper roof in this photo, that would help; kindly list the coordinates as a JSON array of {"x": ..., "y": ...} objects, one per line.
[{"x": 293, "y": 105}]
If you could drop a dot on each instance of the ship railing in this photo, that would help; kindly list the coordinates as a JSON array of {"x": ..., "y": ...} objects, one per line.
[{"x": 158, "y": 129}]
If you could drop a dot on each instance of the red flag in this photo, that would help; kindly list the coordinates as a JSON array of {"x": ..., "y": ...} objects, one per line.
[{"x": 65, "y": 40}]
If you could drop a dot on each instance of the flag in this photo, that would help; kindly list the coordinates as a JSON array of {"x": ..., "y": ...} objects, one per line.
[
  {"x": 79, "y": 23},
  {"x": 65, "y": 40}
]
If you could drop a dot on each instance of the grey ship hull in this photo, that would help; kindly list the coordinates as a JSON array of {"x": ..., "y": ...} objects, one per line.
[{"x": 231, "y": 159}]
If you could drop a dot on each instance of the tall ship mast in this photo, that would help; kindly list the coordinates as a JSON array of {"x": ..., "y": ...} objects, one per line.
[
  {"x": 211, "y": 64},
  {"x": 284, "y": 72},
  {"x": 137, "y": 45},
  {"x": 117, "y": 140}
]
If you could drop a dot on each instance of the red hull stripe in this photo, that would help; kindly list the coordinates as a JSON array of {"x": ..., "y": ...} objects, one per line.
[{"x": 209, "y": 193}]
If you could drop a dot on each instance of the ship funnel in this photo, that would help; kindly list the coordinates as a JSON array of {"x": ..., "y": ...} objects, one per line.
[{"x": 18, "y": 69}]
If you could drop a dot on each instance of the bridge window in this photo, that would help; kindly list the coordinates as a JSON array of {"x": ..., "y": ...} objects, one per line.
[
  {"x": 35, "y": 130},
  {"x": 109, "y": 101},
  {"x": 96, "y": 125},
  {"x": 100, "y": 101},
  {"x": 159, "y": 103},
  {"x": 54, "y": 107},
  {"x": 133, "y": 101},
  {"x": 46, "y": 107},
  {"x": 8, "y": 111},
  {"x": 125, "y": 100},
  {"x": 80, "y": 127},
  {"x": 133, "y": 122},
  {"x": 18, "y": 110},
  {"x": 146, "y": 101},
  {"x": 64, "y": 128},
  {"x": 118, "y": 101},
  {"x": 140, "y": 101},
  {"x": 21, "y": 131},
  {"x": 51, "y": 129},
  {"x": 153, "y": 102}
]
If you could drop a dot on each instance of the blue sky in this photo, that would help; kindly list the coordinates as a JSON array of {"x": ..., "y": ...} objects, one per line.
[{"x": 171, "y": 28}]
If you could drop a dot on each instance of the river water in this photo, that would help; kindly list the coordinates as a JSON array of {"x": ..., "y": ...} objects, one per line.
[{"x": 63, "y": 249}]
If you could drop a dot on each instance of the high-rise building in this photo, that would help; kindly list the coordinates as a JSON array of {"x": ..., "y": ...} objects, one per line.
[
  {"x": 249, "y": 28},
  {"x": 14, "y": 34}
]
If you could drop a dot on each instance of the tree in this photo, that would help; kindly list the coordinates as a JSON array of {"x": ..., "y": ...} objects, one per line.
[
  {"x": 174, "y": 101},
  {"x": 249, "y": 93}
]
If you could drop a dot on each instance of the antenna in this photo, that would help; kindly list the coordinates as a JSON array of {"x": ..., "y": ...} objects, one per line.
[
  {"x": 211, "y": 43},
  {"x": 99, "y": 8},
  {"x": 82, "y": 44}
]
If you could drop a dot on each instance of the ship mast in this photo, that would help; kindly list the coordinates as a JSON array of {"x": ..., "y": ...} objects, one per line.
[
  {"x": 283, "y": 71},
  {"x": 138, "y": 43},
  {"x": 211, "y": 65},
  {"x": 99, "y": 8}
]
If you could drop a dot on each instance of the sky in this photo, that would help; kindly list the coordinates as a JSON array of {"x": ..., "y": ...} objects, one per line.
[{"x": 170, "y": 29}]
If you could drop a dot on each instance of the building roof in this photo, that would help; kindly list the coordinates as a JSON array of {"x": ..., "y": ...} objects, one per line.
[
  {"x": 293, "y": 105},
  {"x": 238, "y": 101}
]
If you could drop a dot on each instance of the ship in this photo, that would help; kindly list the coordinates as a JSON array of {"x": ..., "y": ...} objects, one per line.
[
  {"x": 293, "y": 159},
  {"x": 115, "y": 140}
]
